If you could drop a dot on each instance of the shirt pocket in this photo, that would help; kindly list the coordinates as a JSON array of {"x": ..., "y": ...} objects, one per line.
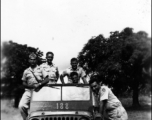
[
  {"x": 31, "y": 81},
  {"x": 53, "y": 70},
  {"x": 38, "y": 75},
  {"x": 29, "y": 76},
  {"x": 47, "y": 69}
]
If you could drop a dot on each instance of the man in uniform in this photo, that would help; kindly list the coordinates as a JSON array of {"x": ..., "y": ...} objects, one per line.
[
  {"x": 74, "y": 77},
  {"x": 50, "y": 68},
  {"x": 109, "y": 105},
  {"x": 74, "y": 68},
  {"x": 33, "y": 79}
]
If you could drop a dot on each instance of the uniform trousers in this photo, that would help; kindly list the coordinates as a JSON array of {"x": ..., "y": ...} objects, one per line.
[
  {"x": 25, "y": 103},
  {"x": 117, "y": 112}
]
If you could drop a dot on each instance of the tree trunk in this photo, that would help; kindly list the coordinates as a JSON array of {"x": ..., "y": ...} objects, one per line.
[
  {"x": 16, "y": 101},
  {"x": 137, "y": 80},
  {"x": 18, "y": 94},
  {"x": 135, "y": 96}
]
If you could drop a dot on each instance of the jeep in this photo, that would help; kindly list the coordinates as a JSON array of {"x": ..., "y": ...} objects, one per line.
[{"x": 63, "y": 102}]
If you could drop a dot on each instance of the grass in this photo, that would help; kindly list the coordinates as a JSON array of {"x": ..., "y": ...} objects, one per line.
[
  {"x": 8, "y": 112},
  {"x": 143, "y": 113},
  {"x": 140, "y": 113},
  {"x": 143, "y": 100}
]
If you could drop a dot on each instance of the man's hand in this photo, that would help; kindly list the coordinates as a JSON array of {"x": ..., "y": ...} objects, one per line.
[
  {"x": 84, "y": 80},
  {"x": 62, "y": 79},
  {"x": 36, "y": 87}
]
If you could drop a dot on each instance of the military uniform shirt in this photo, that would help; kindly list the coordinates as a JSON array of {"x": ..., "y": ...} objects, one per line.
[
  {"x": 51, "y": 71},
  {"x": 106, "y": 94},
  {"x": 113, "y": 109},
  {"x": 30, "y": 79},
  {"x": 79, "y": 70}
]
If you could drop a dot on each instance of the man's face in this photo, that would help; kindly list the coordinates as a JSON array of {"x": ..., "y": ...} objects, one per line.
[
  {"x": 32, "y": 61},
  {"x": 49, "y": 58},
  {"x": 95, "y": 87},
  {"x": 74, "y": 64},
  {"x": 75, "y": 79}
]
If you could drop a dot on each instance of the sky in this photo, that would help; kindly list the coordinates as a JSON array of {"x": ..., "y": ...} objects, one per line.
[{"x": 65, "y": 26}]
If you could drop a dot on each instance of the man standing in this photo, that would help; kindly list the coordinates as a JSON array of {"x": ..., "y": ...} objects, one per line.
[
  {"x": 74, "y": 68},
  {"x": 33, "y": 79},
  {"x": 109, "y": 105},
  {"x": 50, "y": 68}
]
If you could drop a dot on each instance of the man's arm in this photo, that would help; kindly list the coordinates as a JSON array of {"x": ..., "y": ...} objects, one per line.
[
  {"x": 44, "y": 82},
  {"x": 57, "y": 74},
  {"x": 40, "y": 85},
  {"x": 84, "y": 80},
  {"x": 37, "y": 85},
  {"x": 62, "y": 79},
  {"x": 45, "y": 78},
  {"x": 64, "y": 73},
  {"x": 83, "y": 76},
  {"x": 102, "y": 106},
  {"x": 29, "y": 86}
]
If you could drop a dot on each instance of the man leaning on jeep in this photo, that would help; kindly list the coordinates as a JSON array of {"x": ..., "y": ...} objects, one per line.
[{"x": 33, "y": 79}]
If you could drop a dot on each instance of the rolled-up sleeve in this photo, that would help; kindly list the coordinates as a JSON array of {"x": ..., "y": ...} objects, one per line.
[{"x": 103, "y": 93}]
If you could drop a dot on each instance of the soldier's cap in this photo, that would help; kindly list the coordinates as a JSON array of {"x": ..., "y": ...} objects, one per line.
[{"x": 32, "y": 56}]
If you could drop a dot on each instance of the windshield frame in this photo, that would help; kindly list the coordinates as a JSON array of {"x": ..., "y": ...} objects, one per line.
[{"x": 64, "y": 85}]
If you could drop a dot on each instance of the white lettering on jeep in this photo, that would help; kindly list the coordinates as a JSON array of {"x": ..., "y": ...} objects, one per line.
[{"x": 62, "y": 105}]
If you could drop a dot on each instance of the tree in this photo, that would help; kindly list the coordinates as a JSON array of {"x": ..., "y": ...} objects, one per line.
[
  {"x": 119, "y": 59},
  {"x": 140, "y": 46},
  {"x": 16, "y": 61}
]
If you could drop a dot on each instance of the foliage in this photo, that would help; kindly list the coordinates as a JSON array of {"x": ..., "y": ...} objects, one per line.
[
  {"x": 16, "y": 61},
  {"x": 119, "y": 59}
]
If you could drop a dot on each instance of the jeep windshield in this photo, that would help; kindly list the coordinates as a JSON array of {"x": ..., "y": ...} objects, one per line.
[
  {"x": 59, "y": 97},
  {"x": 62, "y": 93}
]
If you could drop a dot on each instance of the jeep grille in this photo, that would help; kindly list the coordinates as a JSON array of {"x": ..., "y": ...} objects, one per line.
[{"x": 56, "y": 118}]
